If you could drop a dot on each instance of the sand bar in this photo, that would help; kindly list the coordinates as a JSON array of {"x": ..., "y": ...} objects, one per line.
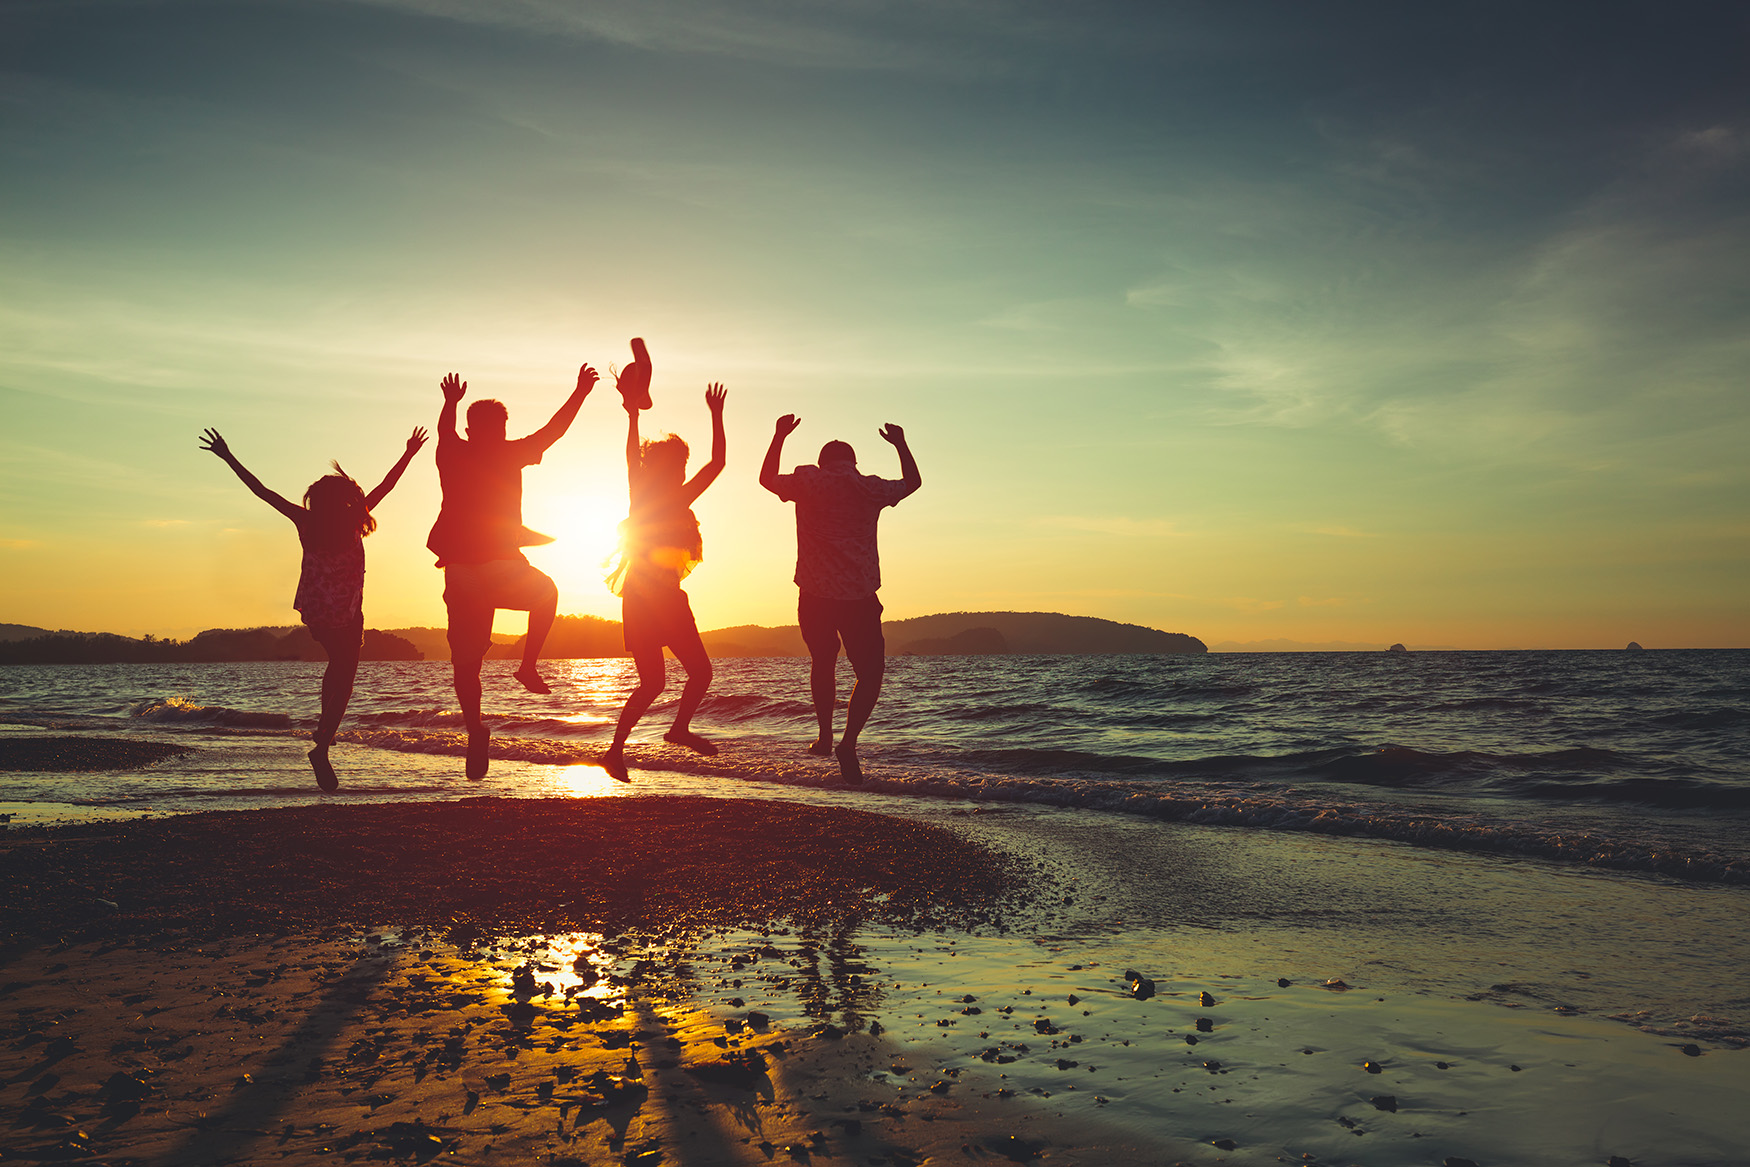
[{"x": 65, "y": 754}]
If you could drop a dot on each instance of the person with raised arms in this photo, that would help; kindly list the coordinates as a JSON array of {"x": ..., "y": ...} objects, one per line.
[
  {"x": 332, "y": 524},
  {"x": 659, "y": 546},
  {"x": 838, "y": 572},
  {"x": 479, "y": 539}
]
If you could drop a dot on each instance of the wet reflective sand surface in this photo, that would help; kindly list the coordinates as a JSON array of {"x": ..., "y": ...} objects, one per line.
[{"x": 1183, "y": 996}]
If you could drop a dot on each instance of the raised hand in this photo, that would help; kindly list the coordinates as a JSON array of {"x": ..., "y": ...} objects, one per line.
[
  {"x": 787, "y": 425},
  {"x": 454, "y": 387},
  {"x": 892, "y": 433},
  {"x": 586, "y": 379},
  {"x": 714, "y": 395},
  {"x": 210, "y": 440},
  {"x": 416, "y": 441}
]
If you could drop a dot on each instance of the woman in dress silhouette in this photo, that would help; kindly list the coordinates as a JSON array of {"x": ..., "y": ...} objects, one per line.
[
  {"x": 332, "y": 524},
  {"x": 659, "y": 545}
]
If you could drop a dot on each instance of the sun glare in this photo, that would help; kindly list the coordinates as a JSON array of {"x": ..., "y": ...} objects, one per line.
[{"x": 585, "y": 530}]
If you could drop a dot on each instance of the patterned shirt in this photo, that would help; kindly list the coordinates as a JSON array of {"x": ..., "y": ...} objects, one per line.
[
  {"x": 331, "y": 583},
  {"x": 836, "y": 512}
]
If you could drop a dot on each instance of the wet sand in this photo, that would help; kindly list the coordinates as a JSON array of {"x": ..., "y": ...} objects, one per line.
[
  {"x": 788, "y": 1015},
  {"x": 502, "y": 864},
  {"x": 65, "y": 754}
]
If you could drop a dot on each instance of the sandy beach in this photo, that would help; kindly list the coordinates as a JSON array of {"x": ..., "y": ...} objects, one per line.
[{"x": 669, "y": 979}]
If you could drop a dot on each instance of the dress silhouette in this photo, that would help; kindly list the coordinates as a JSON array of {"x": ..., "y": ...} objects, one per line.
[{"x": 659, "y": 546}]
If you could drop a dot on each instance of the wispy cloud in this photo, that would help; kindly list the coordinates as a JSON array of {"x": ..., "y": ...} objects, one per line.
[
  {"x": 1339, "y": 532},
  {"x": 1250, "y": 604},
  {"x": 1119, "y": 525},
  {"x": 854, "y": 35}
]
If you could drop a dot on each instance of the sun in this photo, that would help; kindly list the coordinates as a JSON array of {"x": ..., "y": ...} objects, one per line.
[{"x": 585, "y": 530}]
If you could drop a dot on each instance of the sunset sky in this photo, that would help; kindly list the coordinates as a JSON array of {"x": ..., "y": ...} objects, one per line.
[{"x": 1327, "y": 322}]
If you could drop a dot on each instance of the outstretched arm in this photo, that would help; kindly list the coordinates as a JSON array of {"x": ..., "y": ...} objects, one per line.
[
  {"x": 454, "y": 388},
  {"x": 769, "y": 468},
  {"x": 908, "y": 465},
  {"x": 396, "y": 471},
  {"x": 714, "y": 395},
  {"x": 212, "y": 441},
  {"x": 634, "y": 457},
  {"x": 555, "y": 429}
]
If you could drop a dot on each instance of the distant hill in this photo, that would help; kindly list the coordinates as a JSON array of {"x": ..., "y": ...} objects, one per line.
[
  {"x": 572, "y": 637},
  {"x": 434, "y": 643},
  {"x": 1304, "y": 646},
  {"x": 20, "y": 632},
  {"x": 215, "y": 644},
  {"x": 1029, "y": 632},
  {"x": 947, "y": 634},
  {"x": 754, "y": 640}
]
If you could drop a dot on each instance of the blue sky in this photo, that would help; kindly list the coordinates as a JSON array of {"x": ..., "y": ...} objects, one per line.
[{"x": 1337, "y": 322}]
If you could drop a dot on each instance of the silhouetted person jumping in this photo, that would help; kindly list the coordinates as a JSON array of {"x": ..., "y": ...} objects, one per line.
[
  {"x": 659, "y": 545},
  {"x": 478, "y": 540},
  {"x": 838, "y": 570},
  {"x": 332, "y": 524}
]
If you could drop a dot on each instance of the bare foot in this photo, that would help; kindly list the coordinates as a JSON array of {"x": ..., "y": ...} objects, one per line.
[
  {"x": 691, "y": 740},
  {"x": 325, "y": 777},
  {"x": 849, "y": 768},
  {"x": 531, "y": 680},
  {"x": 614, "y": 762},
  {"x": 479, "y": 741},
  {"x": 821, "y": 747}
]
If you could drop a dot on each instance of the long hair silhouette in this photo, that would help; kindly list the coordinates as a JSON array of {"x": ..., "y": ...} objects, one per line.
[{"x": 337, "y": 506}]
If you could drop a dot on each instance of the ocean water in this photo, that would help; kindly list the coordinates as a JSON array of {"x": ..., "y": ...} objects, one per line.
[{"x": 1626, "y": 761}]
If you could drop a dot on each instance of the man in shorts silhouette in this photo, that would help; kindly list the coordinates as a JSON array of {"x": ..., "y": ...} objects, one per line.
[
  {"x": 478, "y": 540},
  {"x": 838, "y": 570}
]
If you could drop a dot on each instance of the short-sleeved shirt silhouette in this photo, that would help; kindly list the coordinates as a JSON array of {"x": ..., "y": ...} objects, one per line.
[
  {"x": 482, "y": 514},
  {"x": 836, "y": 513}
]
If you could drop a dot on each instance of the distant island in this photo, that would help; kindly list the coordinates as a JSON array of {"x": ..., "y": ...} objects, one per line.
[
  {"x": 215, "y": 644},
  {"x": 1327, "y": 646},
  {"x": 945, "y": 634}
]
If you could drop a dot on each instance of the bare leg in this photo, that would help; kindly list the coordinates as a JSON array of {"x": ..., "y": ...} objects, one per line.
[
  {"x": 470, "y": 632},
  {"x": 337, "y": 682},
  {"x": 823, "y": 684},
  {"x": 870, "y": 669},
  {"x": 540, "y": 623},
  {"x": 863, "y": 697},
  {"x": 690, "y": 651},
  {"x": 652, "y": 676}
]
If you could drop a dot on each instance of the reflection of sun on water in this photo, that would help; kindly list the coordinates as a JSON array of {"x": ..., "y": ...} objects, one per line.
[
  {"x": 587, "y": 780},
  {"x": 569, "y": 964}
]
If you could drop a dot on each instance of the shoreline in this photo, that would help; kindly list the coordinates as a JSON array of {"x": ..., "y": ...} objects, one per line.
[{"x": 1569, "y": 836}]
